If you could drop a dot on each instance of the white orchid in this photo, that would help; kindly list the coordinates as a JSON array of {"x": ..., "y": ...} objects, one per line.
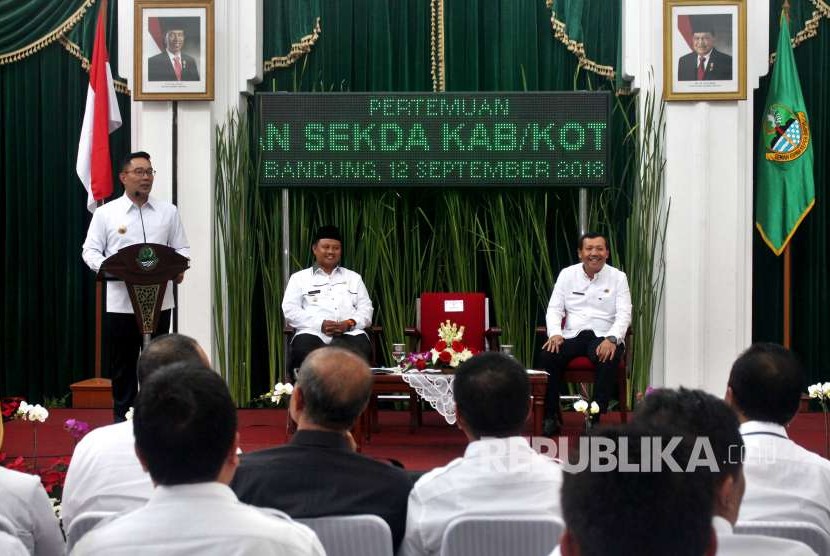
[
  {"x": 581, "y": 406},
  {"x": 815, "y": 391},
  {"x": 281, "y": 390},
  {"x": 129, "y": 415},
  {"x": 826, "y": 389},
  {"x": 594, "y": 408},
  {"x": 29, "y": 412}
]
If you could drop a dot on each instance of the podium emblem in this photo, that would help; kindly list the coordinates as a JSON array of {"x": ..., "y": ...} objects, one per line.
[{"x": 147, "y": 259}]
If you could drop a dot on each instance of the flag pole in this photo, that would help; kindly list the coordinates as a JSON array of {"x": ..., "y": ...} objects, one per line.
[{"x": 787, "y": 289}]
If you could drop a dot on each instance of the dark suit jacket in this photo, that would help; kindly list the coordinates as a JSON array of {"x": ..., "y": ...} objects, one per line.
[
  {"x": 719, "y": 67},
  {"x": 317, "y": 474},
  {"x": 160, "y": 68}
]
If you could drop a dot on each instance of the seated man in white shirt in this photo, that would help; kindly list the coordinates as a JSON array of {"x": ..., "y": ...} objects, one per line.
[
  {"x": 784, "y": 482},
  {"x": 612, "y": 511},
  {"x": 186, "y": 437},
  {"x": 594, "y": 300},
  {"x": 25, "y": 507},
  {"x": 707, "y": 418},
  {"x": 499, "y": 472},
  {"x": 327, "y": 304},
  {"x": 105, "y": 474}
]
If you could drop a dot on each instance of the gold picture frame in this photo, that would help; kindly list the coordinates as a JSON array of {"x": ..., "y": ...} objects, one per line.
[
  {"x": 173, "y": 50},
  {"x": 704, "y": 50}
]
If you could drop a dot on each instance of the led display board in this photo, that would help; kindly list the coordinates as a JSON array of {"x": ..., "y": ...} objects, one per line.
[{"x": 434, "y": 139}]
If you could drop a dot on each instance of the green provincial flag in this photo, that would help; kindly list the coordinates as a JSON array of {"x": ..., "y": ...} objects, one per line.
[{"x": 785, "y": 188}]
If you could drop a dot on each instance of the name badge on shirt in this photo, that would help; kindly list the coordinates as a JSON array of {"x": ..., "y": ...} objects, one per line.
[
  {"x": 578, "y": 293},
  {"x": 312, "y": 292}
]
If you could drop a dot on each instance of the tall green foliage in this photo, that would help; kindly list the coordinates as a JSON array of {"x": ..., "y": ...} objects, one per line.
[
  {"x": 234, "y": 250},
  {"x": 269, "y": 234}
]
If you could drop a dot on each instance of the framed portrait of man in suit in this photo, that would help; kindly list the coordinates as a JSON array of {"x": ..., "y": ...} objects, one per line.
[
  {"x": 173, "y": 50},
  {"x": 704, "y": 49}
]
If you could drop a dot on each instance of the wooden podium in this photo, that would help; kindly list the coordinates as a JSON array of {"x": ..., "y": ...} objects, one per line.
[{"x": 145, "y": 268}]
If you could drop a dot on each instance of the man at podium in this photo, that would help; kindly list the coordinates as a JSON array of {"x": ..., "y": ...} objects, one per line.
[
  {"x": 327, "y": 304},
  {"x": 135, "y": 217}
]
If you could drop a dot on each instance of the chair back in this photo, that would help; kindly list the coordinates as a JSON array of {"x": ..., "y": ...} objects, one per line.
[
  {"x": 809, "y": 533},
  {"x": 352, "y": 535},
  {"x": 83, "y": 524},
  {"x": 529, "y": 535},
  {"x": 469, "y": 310}
]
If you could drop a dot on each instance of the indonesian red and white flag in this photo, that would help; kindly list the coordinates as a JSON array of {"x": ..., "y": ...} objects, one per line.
[{"x": 101, "y": 118}]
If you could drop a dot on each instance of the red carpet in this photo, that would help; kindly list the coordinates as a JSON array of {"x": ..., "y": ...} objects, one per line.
[{"x": 432, "y": 445}]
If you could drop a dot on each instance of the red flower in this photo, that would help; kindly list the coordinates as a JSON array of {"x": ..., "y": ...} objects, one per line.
[
  {"x": 420, "y": 364},
  {"x": 52, "y": 479},
  {"x": 445, "y": 357},
  {"x": 441, "y": 345},
  {"x": 17, "y": 465},
  {"x": 457, "y": 346}
]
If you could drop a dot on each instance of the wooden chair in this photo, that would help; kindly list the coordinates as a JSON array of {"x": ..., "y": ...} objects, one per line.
[
  {"x": 580, "y": 370},
  {"x": 468, "y": 309}
]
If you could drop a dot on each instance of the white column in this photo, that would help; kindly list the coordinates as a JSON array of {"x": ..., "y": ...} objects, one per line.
[
  {"x": 706, "y": 318},
  {"x": 238, "y": 66}
]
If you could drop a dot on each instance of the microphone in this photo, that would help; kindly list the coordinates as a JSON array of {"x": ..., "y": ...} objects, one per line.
[{"x": 139, "y": 195}]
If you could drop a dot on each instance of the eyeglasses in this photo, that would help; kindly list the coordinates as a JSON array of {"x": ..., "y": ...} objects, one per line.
[{"x": 149, "y": 172}]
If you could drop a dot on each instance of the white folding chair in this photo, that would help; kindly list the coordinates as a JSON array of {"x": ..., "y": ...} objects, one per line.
[
  {"x": 352, "y": 535},
  {"x": 809, "y": 533},
  {"x": 496, "y": 535},
  {"x": 11, "y": 545},
  {"x": 83, "y": 524}
]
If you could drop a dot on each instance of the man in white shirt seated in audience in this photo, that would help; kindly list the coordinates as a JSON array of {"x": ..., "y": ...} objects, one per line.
[
  {"x": 784, "y": 482},
  {"x": 105, "y": 474},
  {"x": 499, "y": 472},
  {"x": 25, "y": 508},
  {"x": 611, "y": 511},
  {"x": 703, "y": 416},
  {"x": 186, "y": 436}
]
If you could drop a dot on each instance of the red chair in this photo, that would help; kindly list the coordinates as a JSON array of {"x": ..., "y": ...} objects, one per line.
[
  {"x": 470, "y": 310},
  {"x": 580, "y": 370}
]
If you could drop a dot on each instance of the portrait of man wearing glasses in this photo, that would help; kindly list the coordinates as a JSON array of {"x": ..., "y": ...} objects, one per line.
[{"x": 135, "y": 217}]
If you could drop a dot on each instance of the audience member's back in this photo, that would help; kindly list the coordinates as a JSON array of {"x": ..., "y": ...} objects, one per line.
[
  {"x": 104, "y": 474},
  {"x": 185, "y": 435},
  {"x": 318, "y": 473},
  {"x": 499, "y": 472},
  {"x": 610, "y": 511},
  {"x": 783, "y": 480}
]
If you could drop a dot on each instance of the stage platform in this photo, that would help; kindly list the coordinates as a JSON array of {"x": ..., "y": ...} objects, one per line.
[{"x": 431, "y": 445}]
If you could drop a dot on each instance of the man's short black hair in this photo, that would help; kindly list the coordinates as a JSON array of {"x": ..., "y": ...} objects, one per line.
[
  {"x": 336, "y": 385},
  {"x": 621, "y": 512},
  {"x": 699, "y": 414},
  {"x": 184, "y": 424},
  {"x": 766, "y": 382},
  {"x": 592, "y": 235},
  {"x": 165, "y": 350},
  {"x": 492, "y": 393},
  {"x": 128, "y": 159}
]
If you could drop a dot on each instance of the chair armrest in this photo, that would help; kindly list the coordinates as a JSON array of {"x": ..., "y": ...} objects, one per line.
[
  {"x": 412, "y": 333},
  {"x": 375, "y": 329},
  {"x": 288, "y": 331},
  {"x": 542, "y": 331},
  {"x": 492, "y": 334}
]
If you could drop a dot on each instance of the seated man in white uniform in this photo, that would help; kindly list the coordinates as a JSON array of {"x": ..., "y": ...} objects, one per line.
[
  {"x": 702, "y": 415},
  {"x": 186, "y": 436},
  {"x": 499, "y": 473},
  {"x": 105, "y": 474},
  {"x": 784, "y": 482},
  {"x": 327, "y": 304}
]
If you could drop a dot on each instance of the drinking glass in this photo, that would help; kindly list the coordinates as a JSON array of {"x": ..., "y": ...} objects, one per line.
[{"x": 398, "y": 353}]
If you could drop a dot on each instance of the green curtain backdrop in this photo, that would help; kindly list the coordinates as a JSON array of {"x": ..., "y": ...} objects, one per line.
[
  {"x": 811, "y": 244},
  {"x": 508, "y": 243},
  {"x": 47, "y": 291}
]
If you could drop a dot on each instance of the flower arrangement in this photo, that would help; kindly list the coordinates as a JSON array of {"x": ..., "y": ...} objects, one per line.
[
  {"x": 587, "y": 410},
  {"x": 28, "y": 412},
  {"x": 76, "y": 428},
  {"x": 8, "y": 408},
  {"x": 449, "y": 350},
  {"x": 821, "y": 392},
  {"x": 274, "y": 397}
]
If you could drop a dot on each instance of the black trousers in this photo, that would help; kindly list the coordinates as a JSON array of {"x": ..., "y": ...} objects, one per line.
[
  {"x": 124, "y": 345},
  {"x": 303, "y": 344},
  {"x": 584, "y": 343}
]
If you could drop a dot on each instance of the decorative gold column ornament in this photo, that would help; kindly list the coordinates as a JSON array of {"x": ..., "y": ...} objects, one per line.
[{"x": 437, "y": 44}]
